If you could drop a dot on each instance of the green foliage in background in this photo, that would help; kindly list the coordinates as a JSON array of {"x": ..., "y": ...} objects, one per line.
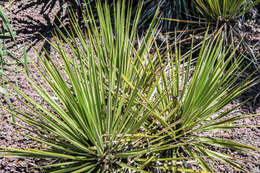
[
  {"x": 5, "y": 24},
  {"x": 225, "y": 15},
  {"x": 115, "y": 103},
  {"x": 224, "y": 10},
  {"x": 6, "y": 33}
]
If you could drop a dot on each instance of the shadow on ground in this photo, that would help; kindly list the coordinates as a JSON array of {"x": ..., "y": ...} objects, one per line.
[{"x": 39, "y": 19}]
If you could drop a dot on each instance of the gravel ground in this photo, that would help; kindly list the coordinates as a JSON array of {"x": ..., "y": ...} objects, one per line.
[{"x": 34, "y": 17}]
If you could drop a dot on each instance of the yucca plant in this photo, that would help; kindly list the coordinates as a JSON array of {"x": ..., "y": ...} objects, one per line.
[
  {"x": 115, "y": 104},
  {"x": 189, "y": 109},
  {"x": 225, "y": 15},
  {"x": 91, "y": 116},
  {"x": 224, "y": 10}
]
